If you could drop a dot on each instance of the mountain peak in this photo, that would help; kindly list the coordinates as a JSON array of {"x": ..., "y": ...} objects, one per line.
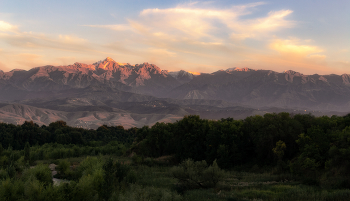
[
  {"x": 245, "y": 69},
  {"x": 15, "y": 70},
  {"x": 107, "y": 64},
  {"x": 109, "y": 59},
  {"x": 183, "y": 76},
  {"x": 291, "y": 72},
  {"x": 183, "y": 73}
]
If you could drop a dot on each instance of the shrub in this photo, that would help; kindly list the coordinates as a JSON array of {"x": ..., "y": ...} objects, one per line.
[
  {"x": 88, "y": 166},
  {"x": 63, "y": 166},
  {"x": 197, "y": 174},
  {"x": 136, "y": 159},
  {"x": 3, "y": 174},
  {"x": 139, "y": 193},
  {"x": 41, "y": 172},
  {"x": 11, "y": 189}
]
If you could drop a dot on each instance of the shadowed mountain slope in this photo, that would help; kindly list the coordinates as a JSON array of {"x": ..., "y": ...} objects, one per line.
[
  {"x": 259, "y": 88},
  {"x": 112, "y": 93}
]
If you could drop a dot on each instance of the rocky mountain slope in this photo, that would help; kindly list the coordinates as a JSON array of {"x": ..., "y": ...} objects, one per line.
[
  {"x": 108, "y": 92},
  {"x": 263, "y": 88},
  {"x": 142, "y": 78}
]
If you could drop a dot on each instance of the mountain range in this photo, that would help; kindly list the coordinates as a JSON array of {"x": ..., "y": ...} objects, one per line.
[{"x": 113, "y": 93}]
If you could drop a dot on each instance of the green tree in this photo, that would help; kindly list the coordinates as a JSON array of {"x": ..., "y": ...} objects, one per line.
[
  {"x": 109, "y": 179},
  {"x": 279, "y": 149},
  {"x": 197, "y": 174},
  {"x": 27, "y": 152},
  {"x": 1, "y": 149}
]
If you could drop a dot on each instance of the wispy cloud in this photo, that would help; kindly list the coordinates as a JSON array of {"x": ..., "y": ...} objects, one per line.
[
  {"x": 294, "y": 46},
  {"x": 197, "y": 32},
  {"x": 71, "y": 39},
  {"x": 116, "y": 27},
  {"x": 31, "y": 40},
  {"x": 28, "y": 59},
  {"x": 29, "y": 49},
  {"x": 188, "y": 21},
  {"x": 7, "y": 27},
  {"x": 196, "y": 36}
]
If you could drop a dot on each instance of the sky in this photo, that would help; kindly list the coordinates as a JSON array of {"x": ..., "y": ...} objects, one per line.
[{"x": 307, "y": 36}]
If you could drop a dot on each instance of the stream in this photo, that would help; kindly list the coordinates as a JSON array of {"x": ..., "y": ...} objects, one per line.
[{"x": 56, "y": 181}]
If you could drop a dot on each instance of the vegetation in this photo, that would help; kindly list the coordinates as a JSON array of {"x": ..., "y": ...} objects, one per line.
[{"x": 271, "y": 157}]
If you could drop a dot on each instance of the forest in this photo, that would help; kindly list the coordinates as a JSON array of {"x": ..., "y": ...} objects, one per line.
[{"x": 272, "y": 157}]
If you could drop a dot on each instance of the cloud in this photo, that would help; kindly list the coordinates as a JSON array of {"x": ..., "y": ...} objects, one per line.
[
  {"x": 66, "y": 60},
  {"x": 196, "y": 23},
  {"x": 161, "y": 52},
  {"x": 273, "y": 21},
  {"x": 29, "y": 60},
  {"x": 70, "y": 39},
  {"x": 294, "y": 46},
  {"x": 29, "y": 40},
  {"x": 116, "y": 27},
  {"x": 317, "y": 56},
  {"x": 187, "y": 22},
  {"x": 30, "y": 49},
  {"x": 261, "y": 27},
  {"x": 16, "y": 38},
  {"x": 291, "y": 54},
  {"x": 3, "y": 67},
  {"x": 197, "y": 34},
  {"x": 6, "y": 27}
]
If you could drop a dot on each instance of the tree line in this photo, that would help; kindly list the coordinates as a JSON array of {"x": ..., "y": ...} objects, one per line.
[
  {"x": 59, "y": 132},
  {"x": 312, "y": 147}
]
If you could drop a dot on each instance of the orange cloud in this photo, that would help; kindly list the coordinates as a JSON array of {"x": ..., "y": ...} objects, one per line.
[
  {"x": 194, "y": 73},
  {"x": 317, "y": 56},
  {"x": 161, "y": 52},
  {"x": 294, "y": 62},
  {"x": 28, "y": 60},
  {"x": 4, "y": 68},
  {"x": 294, "y": 47}
]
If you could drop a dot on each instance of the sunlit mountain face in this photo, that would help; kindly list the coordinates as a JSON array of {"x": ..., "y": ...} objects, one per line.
[{"x": 108, "y": 92}]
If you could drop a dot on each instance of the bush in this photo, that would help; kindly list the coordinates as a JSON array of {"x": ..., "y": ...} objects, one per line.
[
  {"x": 63, "y": 166},
  {"x": 136, "y": 159},
  {"x": 139, "y": 193},
  {"x": 3, "y": 174},
  {"x": 88, "y": 166},
  {"x": 11, "y": 189},
  {"x": 90, "y": 185},
  {"x": 131, "y": 178},
  {"x": 41, "y": 172},
  {"x": 192, "y": 174}
]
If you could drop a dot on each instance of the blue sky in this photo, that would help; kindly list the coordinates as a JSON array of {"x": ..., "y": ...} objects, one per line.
[{"x": 201, "y": 36}]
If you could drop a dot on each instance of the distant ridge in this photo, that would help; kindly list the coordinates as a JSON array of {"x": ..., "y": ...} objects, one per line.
[{"x": 110, "y": 92}]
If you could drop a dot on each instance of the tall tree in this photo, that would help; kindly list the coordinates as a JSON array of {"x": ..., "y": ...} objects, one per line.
[{"x": 27, "y": 152}]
